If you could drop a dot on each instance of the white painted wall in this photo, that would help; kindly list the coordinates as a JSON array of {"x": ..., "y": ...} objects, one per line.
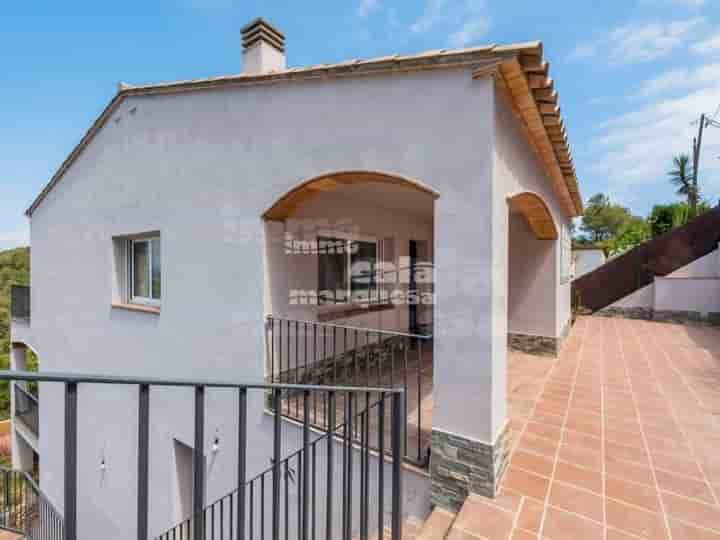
[
  {"x": 201, "y": 168},
  {"x": 706, "y": 266},
  {"x": 587, "y": 260},
  {"x": 687, "y": 294},
  {"x": 517, "y": 169},
  {"x": 531, "y": 281},
  {"x": 686, "y": 289}
]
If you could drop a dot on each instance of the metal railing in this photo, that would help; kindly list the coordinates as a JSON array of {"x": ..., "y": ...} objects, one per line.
[
  {"x": 20, "y": 302},
  {"x": 27, "y": 409},
  {"x": 327, "y": 507},
  {"x": 306, "y": 352},
  {"x": 25, "y": 510},
  {"x": 305, "y": 474}
]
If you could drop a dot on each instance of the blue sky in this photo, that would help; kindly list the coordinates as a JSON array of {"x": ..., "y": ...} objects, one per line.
[{"x": 632, "y": 74}]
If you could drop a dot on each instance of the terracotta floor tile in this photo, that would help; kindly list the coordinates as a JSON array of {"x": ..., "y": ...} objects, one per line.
[
  {"x": 576, "y": 500},
  {"x": 581, "y": 456},
  {"x": 482, "y": 519},
  {"x": 626, "y": 470},
  {"x": 683, "y": 485},
  {"x": 631, "y": 493},
  {"x": 677, "y": 465},
  {"x": 519, "y": 534},
  {"x": 576, "y": 438},
  {"x": 546, "y": 431},
  {"x": 560, "y": 525},
  {"x": 631, "y": 519},
  {"x": 547, "y": 418},
  {"x": 537, "y": 445},
  {"x": 684, "y": 531},
  {"x": 530, "y": 516},
  {"x": 526, "y": 483},
  {"x": 624, "y": 437},
  {"x": 613, "y": 534},
  {"x": 532, "y": 462},
  {"x": 626, "y": 453},
  {"x": 578, "y": 476},
  {"x": 691, "y": 511}
]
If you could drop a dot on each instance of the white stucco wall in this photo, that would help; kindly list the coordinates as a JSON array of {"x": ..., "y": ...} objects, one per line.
[
  {"x": 706, "y": 266},
  {"x": 517, "y": 169},
  {"x": 644, "y": 297},
  {"x": 687, "y": 294},
  {"x": 587, "y": 260},
  {"x": 201, "y": 168},
  {"x": 531, "y": 281}
]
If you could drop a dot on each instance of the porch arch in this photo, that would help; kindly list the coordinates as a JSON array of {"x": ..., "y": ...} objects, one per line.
[
  {"x": 286, "y": 205},
  {"x": 536, "y": 212}
]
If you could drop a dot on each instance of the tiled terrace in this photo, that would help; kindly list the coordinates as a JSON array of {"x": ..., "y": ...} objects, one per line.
[{"x": 618, "y": 439}]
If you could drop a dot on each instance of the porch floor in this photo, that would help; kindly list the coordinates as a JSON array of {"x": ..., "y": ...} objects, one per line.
[{"x": 617, "y": 439}]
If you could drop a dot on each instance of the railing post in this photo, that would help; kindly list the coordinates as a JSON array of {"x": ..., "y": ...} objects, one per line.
[
  {"x": 71, "y": 461},
  {"x": 242, "y": 461},
  {"x": 199, "y": 464},
  {"x": 397, "y": 428},
  {"x": 143, "y": 460},
  {"x": 276, "y": 467},
  {"x": 381, "y": 464},
  {"x": 330, "y": 464},
  {"x": 306, "y": 465}
]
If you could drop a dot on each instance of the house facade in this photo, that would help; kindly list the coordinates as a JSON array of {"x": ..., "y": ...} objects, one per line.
[{"x": 200, "y": 226}]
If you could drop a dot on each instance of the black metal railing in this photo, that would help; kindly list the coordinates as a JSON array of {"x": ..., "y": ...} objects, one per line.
[
  {"x": 20, "y": 302},
  {"x": 306, "y": 352},
  {"x": 308, "y": 492},
  {"x": 25, "y": 510},
  {"x": 323, "y": 509},
  {"x": 27, "y": 409}
]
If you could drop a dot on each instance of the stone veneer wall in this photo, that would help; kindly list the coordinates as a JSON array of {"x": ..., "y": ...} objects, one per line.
[
  {"x": 539, "y": 345},
  {"x": 460, "y": 466}
]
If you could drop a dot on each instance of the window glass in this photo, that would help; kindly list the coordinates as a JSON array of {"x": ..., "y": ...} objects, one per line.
[
  {"x": 156, "y": 268},
  {"x": 141, "y": 266},
  {"x": 332, "y": 265},
  {"x": 363, "y": 260}
]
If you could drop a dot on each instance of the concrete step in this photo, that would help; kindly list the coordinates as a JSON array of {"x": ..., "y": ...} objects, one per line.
[
  {"x": 437, "y": 525},
  {"x": 411, "y": 530}
]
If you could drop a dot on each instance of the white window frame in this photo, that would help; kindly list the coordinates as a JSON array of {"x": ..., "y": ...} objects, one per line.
[
  {"x": 348, "y": 238},
  {"x": 133, "y": 298}
]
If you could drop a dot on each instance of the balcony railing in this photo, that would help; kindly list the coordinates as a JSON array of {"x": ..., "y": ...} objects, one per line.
[
  {"x": 304, "y": 474},
  {"x": 25, "y": 510},
  {"x": 27, "y": 409},
  {"x": 306, "y": 352},
  {"x": 20, "y": 302},
  {"x": 330, "y": 508}
]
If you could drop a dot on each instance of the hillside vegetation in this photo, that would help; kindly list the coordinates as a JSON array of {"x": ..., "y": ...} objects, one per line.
[{"x": 14, "y": 270}]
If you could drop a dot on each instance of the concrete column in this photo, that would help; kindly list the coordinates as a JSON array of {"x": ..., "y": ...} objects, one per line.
[{"x": 470, "y": 445}]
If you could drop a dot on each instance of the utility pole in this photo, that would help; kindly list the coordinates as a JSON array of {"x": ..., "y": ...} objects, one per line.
[{"x": 697, "y": 145}]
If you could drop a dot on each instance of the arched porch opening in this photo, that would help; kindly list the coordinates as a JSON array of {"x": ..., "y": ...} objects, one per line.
[
  {"x": 532, "y": 274},
  {"x": 349, "y": 290}
]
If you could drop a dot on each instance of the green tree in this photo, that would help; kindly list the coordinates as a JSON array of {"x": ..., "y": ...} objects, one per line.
[
  {"x": 665, "y": 217},
  {"x": 603, "y": 220},
  {"x": 14, "y": 269},
  {"x": 682, "y": 177},
  {"x": 632, "y": 234}
]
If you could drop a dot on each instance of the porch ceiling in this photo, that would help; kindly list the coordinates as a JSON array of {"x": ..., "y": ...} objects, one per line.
[
  {"x": 537, "y": 214},
  {"x": 286, "y": 206}
]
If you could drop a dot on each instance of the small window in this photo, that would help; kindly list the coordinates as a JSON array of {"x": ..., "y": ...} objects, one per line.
[
  {"x": 145, "y": 271},
  {"x": 346, "y": 270}
]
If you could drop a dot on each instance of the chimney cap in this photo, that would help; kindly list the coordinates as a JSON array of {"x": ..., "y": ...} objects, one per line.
[{"x": 261, "y": 24}]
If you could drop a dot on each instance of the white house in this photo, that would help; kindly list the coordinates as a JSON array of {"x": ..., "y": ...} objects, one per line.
[
  {"x": 426, "y": 196},
  {"x": 586, "y": 259}
]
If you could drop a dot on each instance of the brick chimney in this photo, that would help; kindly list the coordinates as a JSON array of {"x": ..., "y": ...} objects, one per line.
[{"x": 263, "y": 48}]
